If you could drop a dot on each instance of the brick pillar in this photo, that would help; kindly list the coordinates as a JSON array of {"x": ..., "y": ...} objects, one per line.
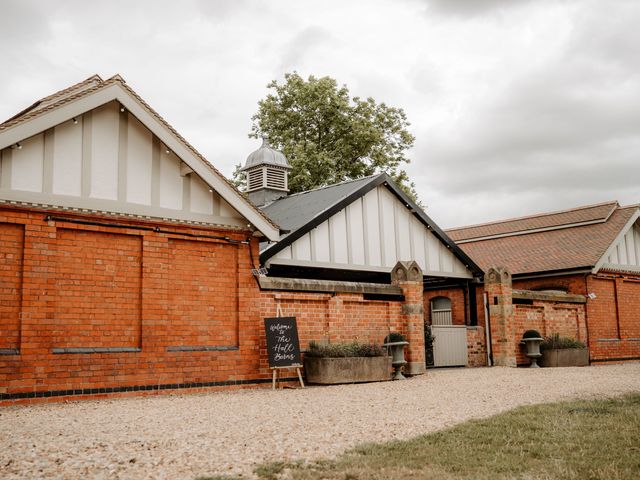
[
  {"x": 408, "y": 276},
  {"x": 497, "y": 284}
]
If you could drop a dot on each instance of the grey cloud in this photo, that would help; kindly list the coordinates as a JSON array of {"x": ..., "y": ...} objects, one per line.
[
  {"x": 221, "y": 9},
  {"x": 568, "y": 129},
  {"x": 608, "y": 37},
  {"x": 301, "y": 45},
  {"x": 22, "y": 21},
  {"x": 471, "y": 8}
]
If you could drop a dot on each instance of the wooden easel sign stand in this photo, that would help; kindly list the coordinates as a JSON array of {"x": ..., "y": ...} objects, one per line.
[{"x": 283, "y": 345}]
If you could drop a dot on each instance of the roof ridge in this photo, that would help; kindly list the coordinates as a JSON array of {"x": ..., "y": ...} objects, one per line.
[
  {"x": 633, "y": 205},
  {"x": 93, "y": 77},
  {"x": 33, "y": 108},
  {"x": 375, "y": 175},
  {"x": 536, "y": 215}
]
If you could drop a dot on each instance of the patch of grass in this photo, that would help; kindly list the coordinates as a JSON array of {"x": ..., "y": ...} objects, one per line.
[
  {"x": 218, "y": 477},
  {"x": 570, "y": 440},
  {"x": 270, "y": 470}
]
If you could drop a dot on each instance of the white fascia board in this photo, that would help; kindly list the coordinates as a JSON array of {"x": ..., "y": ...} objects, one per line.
[
  {"x": 115, "y": 91},
  {"x": 601, "y": 262}
]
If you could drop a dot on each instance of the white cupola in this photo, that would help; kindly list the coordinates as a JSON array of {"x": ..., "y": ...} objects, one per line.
[{"x": 267, "y": 174}]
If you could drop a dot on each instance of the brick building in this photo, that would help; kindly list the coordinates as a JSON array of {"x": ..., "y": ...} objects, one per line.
[
  {"x": 574, "y": 272},
  {"x": 128, "y": 263},
  {"x": 358, "y": 230}
]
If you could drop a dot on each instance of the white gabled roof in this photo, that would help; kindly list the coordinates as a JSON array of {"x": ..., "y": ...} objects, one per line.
[{"x": 94, "y": 92}]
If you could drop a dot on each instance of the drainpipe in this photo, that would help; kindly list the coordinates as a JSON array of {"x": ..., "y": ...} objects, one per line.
[
  {"x": 487, "y": 333},
  {"x": 586, "y": 307}
]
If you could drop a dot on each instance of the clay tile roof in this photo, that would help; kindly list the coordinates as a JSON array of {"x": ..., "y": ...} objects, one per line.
[
  {"x": 587, "y": 214},
  {"x": 572, "y": 239}
]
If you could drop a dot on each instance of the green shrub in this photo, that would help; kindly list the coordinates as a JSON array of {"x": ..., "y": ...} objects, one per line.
[
  {"x": 555, "y": 341},
  {"x": 395, "y": 337},
  {"x": 531, "y": 334},
  {"x": 337, "y": 350},
  {"x": 429, "y": 338}
]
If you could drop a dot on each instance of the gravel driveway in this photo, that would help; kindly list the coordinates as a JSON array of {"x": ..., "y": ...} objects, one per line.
[{"x": 185, "y": 436}]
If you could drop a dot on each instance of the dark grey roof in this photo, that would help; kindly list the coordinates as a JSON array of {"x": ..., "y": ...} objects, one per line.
[{"x": 296, "y": 210}]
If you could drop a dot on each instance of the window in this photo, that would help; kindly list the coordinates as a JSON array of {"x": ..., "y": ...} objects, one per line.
[{"x": 441, "y": 311}]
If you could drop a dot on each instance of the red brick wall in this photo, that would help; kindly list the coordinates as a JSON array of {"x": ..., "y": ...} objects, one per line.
[
  {"x": 567, "y": 319},
  {"x": 456, "y": 295},
  {"x": 12, "y": 241},
  {"x": 476, "y": 351},
  {"x": 99, "y": 287},
  {"x": 342, "y": 317},
  {"x": 614, "y": 317},
  {"x": 571, "y": 283},
  {"x": 203, "y": 300}
]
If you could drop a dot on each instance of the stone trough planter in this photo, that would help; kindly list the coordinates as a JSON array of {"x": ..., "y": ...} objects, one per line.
[
  {"x": 331, "y": 371},
  {"x": 565, "y": 357}
]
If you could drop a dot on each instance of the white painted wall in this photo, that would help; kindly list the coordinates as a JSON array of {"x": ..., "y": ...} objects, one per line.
[
  {"x": 114, "y": 152},
  {"x": 104, "y": 152},
  {"x": 27, "y": 164},
  {"x": 67, "y": 158},
  {"x": 139, "y": 162},
  {"x": 627, "y": 251},
  {"x": 373, "y": 233}
]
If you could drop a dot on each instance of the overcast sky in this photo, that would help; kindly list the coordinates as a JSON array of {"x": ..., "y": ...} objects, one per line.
[{"x": 517, "y": 106}]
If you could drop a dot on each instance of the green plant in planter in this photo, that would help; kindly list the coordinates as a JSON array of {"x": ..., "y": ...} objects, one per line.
[
  {"x": 560, "y": 351},
  {"x": 339, "y": 350},
  {"x": 531, "y": 334},
  {"x": 395, "y": 337},
  {"x": 556, "y": 342},
  {"x": 333, "y": 363}
]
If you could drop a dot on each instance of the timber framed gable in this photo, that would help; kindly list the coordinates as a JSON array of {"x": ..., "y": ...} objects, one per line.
[{"x": 98, "y": 146}]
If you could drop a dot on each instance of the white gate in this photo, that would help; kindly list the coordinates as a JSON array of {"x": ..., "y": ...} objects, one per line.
[{"x": 449, "y": 345}]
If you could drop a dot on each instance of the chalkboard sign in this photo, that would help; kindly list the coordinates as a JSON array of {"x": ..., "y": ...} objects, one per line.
[{"x": 283, "y": 346}]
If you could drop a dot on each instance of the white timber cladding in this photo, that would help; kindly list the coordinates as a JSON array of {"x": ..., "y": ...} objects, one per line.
[
  {"x": 626, "y": 251},
  {"x": 107, "y": 160},
  {"x": 373, "y": 233}
]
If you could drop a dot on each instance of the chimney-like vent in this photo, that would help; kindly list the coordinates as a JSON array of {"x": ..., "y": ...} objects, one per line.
[{"x": 267, "y": 175}]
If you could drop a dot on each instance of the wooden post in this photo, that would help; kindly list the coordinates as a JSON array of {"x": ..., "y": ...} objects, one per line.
[{"x": 276, "y": 375}]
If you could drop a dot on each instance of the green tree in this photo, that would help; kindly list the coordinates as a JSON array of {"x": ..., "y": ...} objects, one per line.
[{"x": 329, "y": 137}]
